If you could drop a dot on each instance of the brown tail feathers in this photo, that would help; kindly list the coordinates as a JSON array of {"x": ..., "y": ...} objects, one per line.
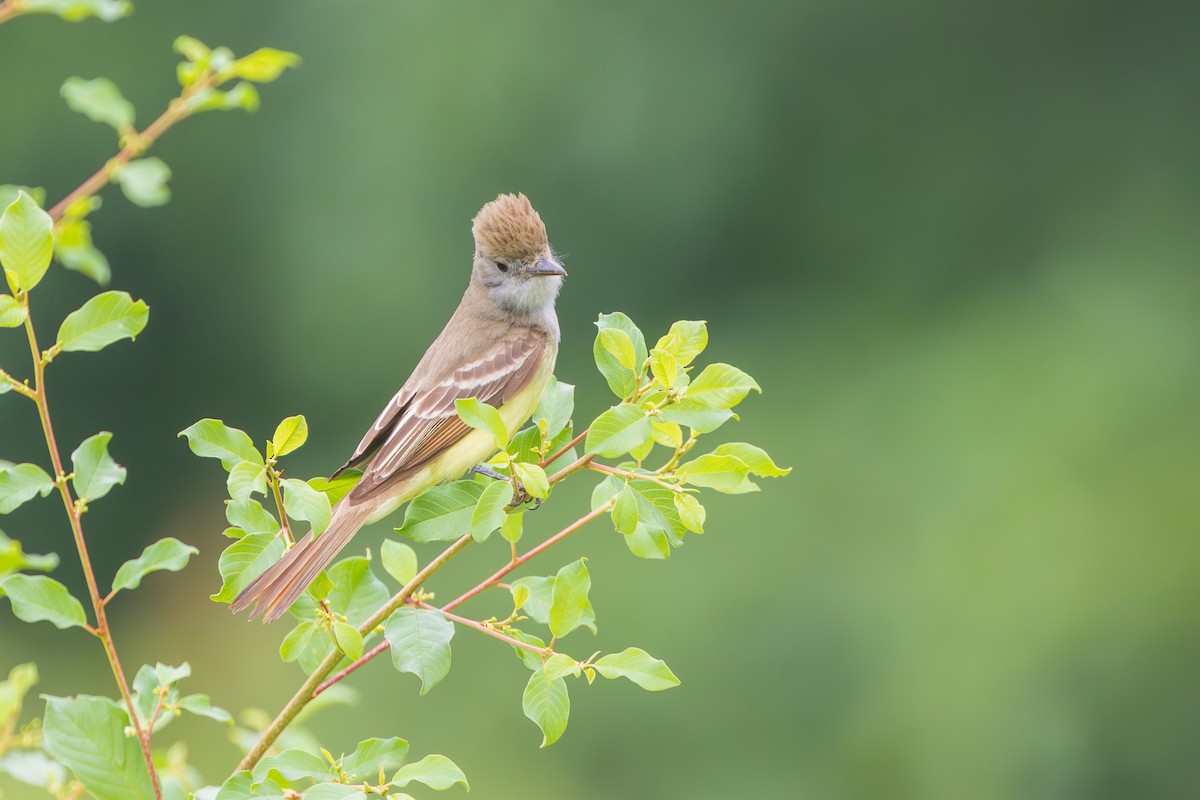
[{"x": 273, "y": 592}]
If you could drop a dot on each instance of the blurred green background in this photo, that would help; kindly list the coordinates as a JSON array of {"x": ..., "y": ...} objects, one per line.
[{"x": 956, "y": 244}]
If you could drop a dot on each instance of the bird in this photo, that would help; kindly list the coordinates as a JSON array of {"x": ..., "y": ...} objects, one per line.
[{"x": 499, "y": 346}]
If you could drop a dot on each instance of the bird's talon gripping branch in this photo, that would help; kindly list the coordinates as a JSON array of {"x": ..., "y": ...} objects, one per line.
[{"x": 488, "y": 472}]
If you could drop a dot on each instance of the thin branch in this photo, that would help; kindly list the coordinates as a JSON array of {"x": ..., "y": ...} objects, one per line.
[
  {"x": 479, "y": 626},
  {"x": 60, "y": 480},
  {"x": 582, "y": 435},
  {"x": 571, "y": 469},
  {"x": 18, "y": 386},
  {"x": 633, "y": 476},
  {"x": 316, "y": 683}
]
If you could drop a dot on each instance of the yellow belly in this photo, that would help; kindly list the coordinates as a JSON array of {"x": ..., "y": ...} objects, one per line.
[{"x": 477, "y": 446}]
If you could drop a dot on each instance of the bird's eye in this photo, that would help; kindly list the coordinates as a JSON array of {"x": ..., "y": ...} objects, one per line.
[{"x": 500, "y": 265}]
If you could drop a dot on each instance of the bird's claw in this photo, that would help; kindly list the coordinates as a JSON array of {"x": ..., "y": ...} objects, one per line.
[{"x": 521, "y": 497}]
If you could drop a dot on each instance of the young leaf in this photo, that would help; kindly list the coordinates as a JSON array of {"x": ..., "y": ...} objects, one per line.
[
  {"x": 95, "y": 471},
  {"x": 420, "y": 640},
  {"x": 621, "y": 379},
  {"x": 441, "y": 513},
  {"x": 637, "y": 665},
  {"x": 74, "y": 248},
  {"x": 306, "y": 503},
  {"x": 619, "y": 346},
  {"x": 76, "y": 10},
  {"x": 625, "y": 512},
  {"x": 144, "y": 182},
  {"x": 349, "y": 640},
  {"x": 212, "y": 438},
  {"x": 663, "y": 367},
  {"x": 569, "y": 603},
  {"x": 290, "y": 434},
  {"x": 356, "y": 592},
  {"x": 724, "y": 473},
  {"x": 699, "y": 418},
  {"x": 489, "y": 513},
  {"x": 19, "y": 483},
  {"x": 170, "y": 555},
  {"x": 618, "y": 430},
  {"x": 482, "y": 417},
  {"x": 436, "y": 772},
  {"x": 21, "y": 679},
  {"x": 106, "y": 318},
  {"x": 685, "y": 340},
  {"x": 755, "y": 458},
  {"x": 298, "y": 639},
  {"x": 201, "y": 705},
  {"x": 373, "y": 755},
  {"x": 263, "y": 65},
  {"x": 721, "y": 386},
  {"x": 250, "y": 517},
  {"x": 245, "y": 560},
  {"x": 26, "y": 243},
  {"x": 555, "y": 407},
  {"x": 12, "y": 313},
  {"x": 99, "y": 100},
  {"x": 691, "y": 513},
  {"x": 336, "y": 488},
  {"x": 292, "y": 765},
  {"x": 548, "y": 704},
  {"x": 13, "y": 558},
  {"x": 246, "y": 478},
  {"x": 513, "y": 526},
  {"x": 36, "y": 598},
  {"x": 87, "y": 735},
  {"x": 533, "y": 478},
  {"x": 399, "y": 560},
  {"x": 560, "y": 665}
]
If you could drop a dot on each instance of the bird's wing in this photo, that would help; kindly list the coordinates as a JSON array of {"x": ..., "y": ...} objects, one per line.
[{"x": 422, "y": 421}]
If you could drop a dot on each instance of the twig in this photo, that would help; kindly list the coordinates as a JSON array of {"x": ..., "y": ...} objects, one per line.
[
  {"x": 582, "y": 435},
  {"x": 633, "y": 476},
  {"x": 102, "y": 630},
  {"x": 479, "y": 626}
]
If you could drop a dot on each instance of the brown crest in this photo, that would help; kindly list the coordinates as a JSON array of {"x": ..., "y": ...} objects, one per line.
[{"x": 508, "y": 229}]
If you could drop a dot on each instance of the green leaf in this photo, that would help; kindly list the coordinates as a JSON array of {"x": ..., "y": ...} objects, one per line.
[
  {"x": 664, "y": 368},
  {"x": 560, "y": 665},
  {"x": 263, "y": 65},
  {"x": 420, "y": 640},
  {"x": 99, "y": 100},
  {"x": 755, "y": 459},
  {"x": 691, "y": 513},
  {"x": 245, "y": 560},
  {"x": 482, "y": 417},
  {"x": 637, "y": 665},
  {"x": 513, "y": 526},
  {"x": 625, "y": 512},
  {"x": 721, "y": 386},
  {"x": 21, "y": 679},
  {"x": 618, "y": 430},
  {"x": 436, "y": 772},
  {"x": 290, "y": 434},
  {"x": 212, "y": 438},
  {"x": 699, "y": 418},
  {"x": 441, "y": 513},
  {"x": 95, "y": 471},
  {"x": 724, "y": 473},
  {"x": 144, "y": 181},
  {"x": 564, "y": 437},
  {"x": 647, "y": 542},
  {"x": 620, "y": 374},
  {"x": 237, "y": 786},
  {"x": 33, "y": 767},
  {"x": 246, "y": 478},
  {"x": 489, "y": 513},
  {"x": 74, "y": 248},
  {"x": 170, "y": 555},
  {"x": 338, "y": 791},
  {"x": 13, "y": 558},
  {"x": 533, "y": 478},
  {"x": 619, "y": 346},
  {"x": 36, "y": 598},
  {"x": 292, "y": 765},
  {"x": 191, "y": 48},
  {"x": 685, "y": 340},
  {"x": 337, "y": 488},
  {"x": 569, "y": 603},
  {"x": 356, "y": 593},
  {"x": 298, "y": 640},
  {"x": 548, "y": 704},
  {"x": 242, "y": 95},
  {"x": 668, "y": 434},
  {"x": 26, "y": 243},
  {"x": 76, "y": 10},
  {"x": 555, "y": 407},
  {"x": 12, "y": 313},
  {"x": 251, "y": 517},
  {"x": 349, "y": 640},
  {"x": 10, "y": 191},
  {"x": 373, "y": 755},
  {"x": 399, "y": 560},
  {"x": 87, "y": 735},
  {"x": 106, "y": 318},
  {"x": 306, "y": 503},
  {"x": 19, "y": 483}
]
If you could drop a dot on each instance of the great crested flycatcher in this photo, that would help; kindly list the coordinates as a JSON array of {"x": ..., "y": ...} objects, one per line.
[{"x": 499, "y": 347}]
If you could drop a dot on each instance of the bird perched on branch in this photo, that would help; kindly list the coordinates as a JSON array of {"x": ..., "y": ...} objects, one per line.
[{"x": 499, "y": 346}]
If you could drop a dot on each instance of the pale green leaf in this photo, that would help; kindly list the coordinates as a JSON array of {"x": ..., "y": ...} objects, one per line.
[
  {"x": 555, "y": 407},
  {"x": 12, "y": 313},
  {"x": 373, "y": 755},
  {"x": 699, "y": 418},
  {"x": 19, "y": 483},
  {"x": 625, "y": 512},
  {"x": 306, "y": 503},
  {"x": 245, "y": 560},
  {"x": 87, "y": 735},
  {"x": 481, "y": 416},
  {"x": 36, "y": 598},
  {"x": 201, "y": 706},
  {"x": 99, "y": 100},
  {"x": 246, "y": 478},
  {"x": 290, "y": 434},
  {"x": 619, "y": 346},
  {"x": 720, "y": 386},
  {"x": 663, "y": 367},
  {"x": 95, "y": 471},
  {"x": 533, "y": 478},
  {"x": 13, "y": 558},
  {"x": 691, "y": 513},
  {"x": 33, "y": 768},
  {"x": 76, "y": 10},
  {"x": 489, "y": 513},
  {"x": 420, "y": 640},
  {"x": 338, "y": 487},
  {"x": 263, "y": 65},
  {"x": 26, "y": 243},
  {"x": 569, "y": 598},
  {"x": 513, "y": 526},
  {"x": 399, "y": 560},
  {"x": 685, "y": 340},
  {"x": 436, "y": 772},
  {"x": 637, "y": 665},
  {"x": 547, "y": 703},
  {"x": 250, "y": 517},
  {"x": 74, "y": 248},
  {"x": 106, "y": 318},
  {"x": 349, "y": 640},
  {"x": 170, "y": 555},
  {"x": 21, "y": 679},
  {"x": 144, "y": 181},
  {"x": 618, "y": 430},
  {"x": 441, "y": 513},
  {"x": 724, "y": 473},
  {"x": 560, "y": 665},
  {"x": 756, "y": 459}
]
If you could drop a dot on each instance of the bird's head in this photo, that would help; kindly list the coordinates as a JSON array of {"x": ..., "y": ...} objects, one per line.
[{"x": 512, "y": 255}]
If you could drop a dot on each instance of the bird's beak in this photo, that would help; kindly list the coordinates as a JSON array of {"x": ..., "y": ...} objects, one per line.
[{"x": 546, "y": 266}]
